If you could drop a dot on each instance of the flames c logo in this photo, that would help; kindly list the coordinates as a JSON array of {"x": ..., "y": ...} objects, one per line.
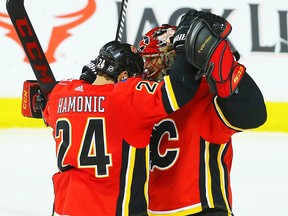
[{"x": 59, "y": 33}]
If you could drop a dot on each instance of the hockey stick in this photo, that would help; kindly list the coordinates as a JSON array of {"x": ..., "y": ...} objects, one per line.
[
  {"x": 31, "y": 45},
  {"x": 121, "y": 21}
]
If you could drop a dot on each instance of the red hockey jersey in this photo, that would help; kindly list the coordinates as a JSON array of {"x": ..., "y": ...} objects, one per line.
[
  {"x": 191, "y": 156},
  {"x": 97, "y": 129}
]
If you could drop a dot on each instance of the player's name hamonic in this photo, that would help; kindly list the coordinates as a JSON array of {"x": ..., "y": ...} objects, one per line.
[{"x": 81, "y": 104}]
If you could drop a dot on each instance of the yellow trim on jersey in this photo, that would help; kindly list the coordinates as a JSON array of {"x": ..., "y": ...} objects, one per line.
[
  {"x": 128, "y": 179},
  {"x": 226, "y": 122},
  {"x": 209, "y": 195},
  {"x": 222, "y": 177},
  {"x": 147, "y": 156},
  {"x": 222, "y": 183},
  {"x": 170, "y": 93},
  {"x": 178, "y": 212}
]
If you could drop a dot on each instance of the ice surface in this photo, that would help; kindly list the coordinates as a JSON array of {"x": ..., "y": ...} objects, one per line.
[{"x": 27, "y": 158}]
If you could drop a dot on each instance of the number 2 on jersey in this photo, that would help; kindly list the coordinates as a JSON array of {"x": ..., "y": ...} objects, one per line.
[{"x": 93, "y": 149}]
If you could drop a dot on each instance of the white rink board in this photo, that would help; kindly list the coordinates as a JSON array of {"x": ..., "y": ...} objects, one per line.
[
  {"x": 269, "y": 69},
  {"x": 27, "y": 158}
]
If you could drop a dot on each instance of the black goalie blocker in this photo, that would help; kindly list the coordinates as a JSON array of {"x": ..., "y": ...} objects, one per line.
[
  {"x": 114, "y": 57},
  {"x": 208, "y": 49}
]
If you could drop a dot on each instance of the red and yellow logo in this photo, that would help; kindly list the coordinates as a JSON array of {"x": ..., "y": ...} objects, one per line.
[{"x": 59, "y": 33}]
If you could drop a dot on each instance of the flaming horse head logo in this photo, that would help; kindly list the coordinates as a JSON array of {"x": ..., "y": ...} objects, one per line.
[{"x": 59, "y": 33}]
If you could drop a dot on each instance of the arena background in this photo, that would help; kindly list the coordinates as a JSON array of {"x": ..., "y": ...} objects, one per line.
[
  {"x": 72, "y": 31},
  {"x": 27, "y": 155}
]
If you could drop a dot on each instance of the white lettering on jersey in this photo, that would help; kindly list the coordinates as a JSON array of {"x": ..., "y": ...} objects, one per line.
[{"x": 81, "y": 104}]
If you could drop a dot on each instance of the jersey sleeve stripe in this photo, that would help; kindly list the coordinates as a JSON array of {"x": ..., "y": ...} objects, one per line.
[
  {"x": 209, "y": 196},
  {"x": 170, "y": 93},
  {"x": 128, "y": 179},
  {"x": 214, "y": 190},
  {"x": 222, "y": 117},
  {"x": 223, "y": 181}
]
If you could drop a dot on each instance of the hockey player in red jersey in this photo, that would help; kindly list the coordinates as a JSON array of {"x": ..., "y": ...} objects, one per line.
[
  {"x": 191, "y": 149},
  {"x": 101, "y": 130}
]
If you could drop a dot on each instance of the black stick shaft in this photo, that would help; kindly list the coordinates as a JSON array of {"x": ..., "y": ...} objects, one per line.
[
  {"x": 121, "y": 20},
  {"x": 31, "y": 45}
]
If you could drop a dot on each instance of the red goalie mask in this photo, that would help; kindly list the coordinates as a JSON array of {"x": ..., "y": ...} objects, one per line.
[{"x": 157, "y": 51}]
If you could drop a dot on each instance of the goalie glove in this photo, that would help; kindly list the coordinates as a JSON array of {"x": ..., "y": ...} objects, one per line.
[
  {"x": 207, "y": 48},
  {"x": 182, "y": 28}
]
